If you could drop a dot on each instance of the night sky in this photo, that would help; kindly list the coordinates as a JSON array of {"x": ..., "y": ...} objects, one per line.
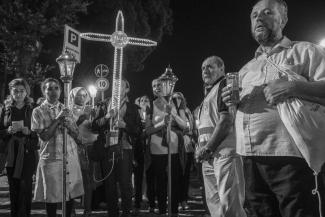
[{"x": 208, "y": 27}]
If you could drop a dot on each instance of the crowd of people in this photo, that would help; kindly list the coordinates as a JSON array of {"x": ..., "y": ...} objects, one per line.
[{"x": 249, "y": 164}]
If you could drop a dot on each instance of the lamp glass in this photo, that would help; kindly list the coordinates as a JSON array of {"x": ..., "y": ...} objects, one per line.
[
  {"x": 67, "y": 63},
  {"x": 168, "y": 80}
]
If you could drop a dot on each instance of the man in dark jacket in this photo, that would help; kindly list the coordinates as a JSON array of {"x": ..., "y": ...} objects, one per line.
[{"x": 116, "y": 159}]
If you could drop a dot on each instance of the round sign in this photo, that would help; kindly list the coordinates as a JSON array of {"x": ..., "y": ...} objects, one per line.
[
  {"x": 102, "y": 84},
  {"x": 101, "y": 70}
]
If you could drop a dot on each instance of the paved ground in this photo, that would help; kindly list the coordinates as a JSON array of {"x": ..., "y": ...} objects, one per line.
[{"x": 195, "y": 203}]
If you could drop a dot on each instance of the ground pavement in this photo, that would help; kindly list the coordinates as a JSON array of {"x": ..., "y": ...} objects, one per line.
[{"x": 195, "y": 203}]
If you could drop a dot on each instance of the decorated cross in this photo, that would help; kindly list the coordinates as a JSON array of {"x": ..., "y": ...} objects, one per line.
[{"x": 119, "y": 40}]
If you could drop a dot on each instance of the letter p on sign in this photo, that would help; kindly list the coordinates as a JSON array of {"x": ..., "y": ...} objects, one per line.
[{"x": 73, "y": 38}]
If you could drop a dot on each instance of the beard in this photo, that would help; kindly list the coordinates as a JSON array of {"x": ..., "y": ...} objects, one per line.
[{"x": 264, "y": 38}]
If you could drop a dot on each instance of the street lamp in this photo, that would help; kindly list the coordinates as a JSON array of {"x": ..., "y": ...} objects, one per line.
[
  {"x": 92, "y": 91},
  {"x": 67, "y": 63},
  {"x": 168, "y": 80}
]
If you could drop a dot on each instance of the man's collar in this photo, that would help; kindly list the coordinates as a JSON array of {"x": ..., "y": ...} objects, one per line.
[{"x": 284, "y": 43}]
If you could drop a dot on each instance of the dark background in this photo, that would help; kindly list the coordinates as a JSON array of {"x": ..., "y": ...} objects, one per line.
[{"x": 201, "y": 28}]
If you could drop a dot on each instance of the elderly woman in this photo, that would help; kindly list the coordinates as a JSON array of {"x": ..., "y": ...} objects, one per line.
[
  {"x": 20, "y": 146},
  {"x": 48, "y": 121},
  {"x": 78, "y": 99}
]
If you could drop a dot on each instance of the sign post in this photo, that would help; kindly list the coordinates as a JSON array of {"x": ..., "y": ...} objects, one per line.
[
  {"x": 102, "y": 84},
  {"x": 101, "y": 71}
]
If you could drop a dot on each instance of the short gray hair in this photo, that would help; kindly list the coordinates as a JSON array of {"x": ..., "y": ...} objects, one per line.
[{"x": 217, "y": 60}]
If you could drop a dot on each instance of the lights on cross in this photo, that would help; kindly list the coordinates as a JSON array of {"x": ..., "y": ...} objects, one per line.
[{"x": 119, "y": 40}]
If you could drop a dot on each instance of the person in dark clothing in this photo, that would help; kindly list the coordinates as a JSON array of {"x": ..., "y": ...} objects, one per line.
[
  {"x": 19, "y": 146},
  {"x": 139, "y": 153},
  {"x": 116, "y": 159}
]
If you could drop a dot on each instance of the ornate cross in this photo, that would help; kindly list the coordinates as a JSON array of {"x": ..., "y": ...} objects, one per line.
[{"x": 119, "y": 40}]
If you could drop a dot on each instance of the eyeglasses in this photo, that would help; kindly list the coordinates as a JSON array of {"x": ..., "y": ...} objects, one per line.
[{"x": 15, "y": 91}]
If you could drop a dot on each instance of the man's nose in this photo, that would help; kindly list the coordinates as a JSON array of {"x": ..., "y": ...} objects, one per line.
[{"x": 260, "y": 17}]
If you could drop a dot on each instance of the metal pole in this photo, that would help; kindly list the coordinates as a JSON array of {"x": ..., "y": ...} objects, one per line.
[
  {"x": 103, "y": 96},
  {"x": 67, "y": 86},
  {"x": 169, "y": 162}
]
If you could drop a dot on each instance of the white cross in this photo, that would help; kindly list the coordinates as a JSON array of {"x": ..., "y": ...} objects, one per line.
[{"x": 119, "y": 40}]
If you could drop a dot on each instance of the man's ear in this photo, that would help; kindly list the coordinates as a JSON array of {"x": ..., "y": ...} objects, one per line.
[
  {"x": 222, "y": 69},
  {"x": 284, "y": 21}
]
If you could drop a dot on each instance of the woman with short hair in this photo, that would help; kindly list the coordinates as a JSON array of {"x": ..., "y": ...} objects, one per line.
[{"x": 48, "y": 121}]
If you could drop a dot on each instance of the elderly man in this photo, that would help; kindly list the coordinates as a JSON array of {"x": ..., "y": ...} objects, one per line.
[
  {"x": 221, "y": 166},
  {"x": 278, "y": 180}
]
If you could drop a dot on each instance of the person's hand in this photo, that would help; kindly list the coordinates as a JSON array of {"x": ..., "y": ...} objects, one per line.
[
  {"x": 111, "y": 113},
  {"x": 63, "y": 114},
  {"x": 203, "y": 153},
  {"x": 92, "y": 112},
  {"x": 173, "y": 112},
  {"x": 168, "y": 108},
  {"x": 166, "y": 120},
  {"x": 227, "y": 96},
  {"x": 11, "y": 130},
  {"x": 71, "y": 127},
  {"x": 82, "y": 118},
  {"x": 25, "y": 131},
  {"x": 120, "y": 124},
  {"x": 278, "y": 90}
]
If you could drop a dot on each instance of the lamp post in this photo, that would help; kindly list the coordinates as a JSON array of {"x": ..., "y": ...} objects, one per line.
[
  {"x": 92, "y": 91},
  {"x": 168, "y": 80},
  {"x": 67, "y": 63}
]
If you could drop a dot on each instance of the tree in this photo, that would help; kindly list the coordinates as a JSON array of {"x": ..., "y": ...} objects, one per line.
[{"x": 23, "y": 26}]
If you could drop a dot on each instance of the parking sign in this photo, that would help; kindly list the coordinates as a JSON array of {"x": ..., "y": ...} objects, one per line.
[{"x": 72, "y": 42}]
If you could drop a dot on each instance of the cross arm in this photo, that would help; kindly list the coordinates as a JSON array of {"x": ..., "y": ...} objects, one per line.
[
  {"x": 96, "y": 37},
  {"x": 141, "y": 42}
]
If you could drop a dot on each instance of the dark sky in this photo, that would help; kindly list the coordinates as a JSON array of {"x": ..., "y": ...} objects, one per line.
[{"x": 214, "y": 27}]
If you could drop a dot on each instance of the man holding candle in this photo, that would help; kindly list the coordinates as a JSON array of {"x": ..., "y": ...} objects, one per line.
[
  {"x": 278, "y": 180},
  {"x": 221, "y": 166}
]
